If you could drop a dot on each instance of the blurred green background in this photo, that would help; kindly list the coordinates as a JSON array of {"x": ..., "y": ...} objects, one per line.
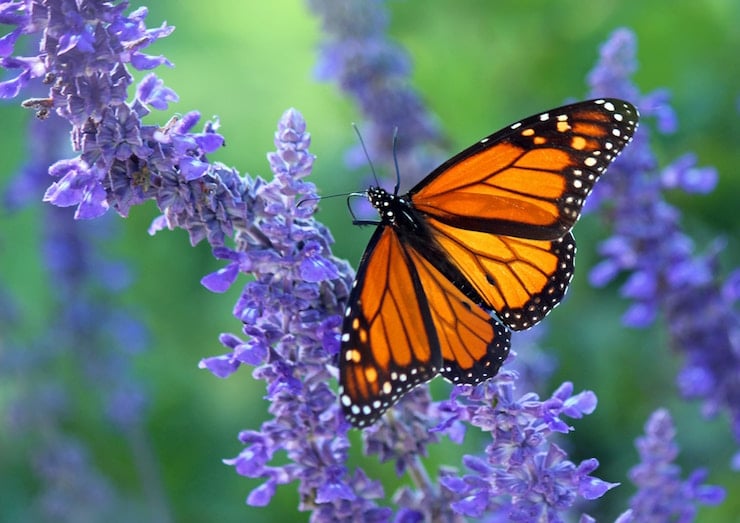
[{"x": 478, "y": 65}]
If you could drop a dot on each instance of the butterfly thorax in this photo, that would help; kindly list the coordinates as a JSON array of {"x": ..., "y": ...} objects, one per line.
[{"x": 394, "y": 210}]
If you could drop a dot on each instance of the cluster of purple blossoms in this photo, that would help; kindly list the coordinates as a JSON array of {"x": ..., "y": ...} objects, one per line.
[
  {"x": 291, "y": 310},
  {"x": 85, "y": 331},
  {"x": 664, "y": 273},
  {"x": 291, "y": 313},
  {"x": 522, "y": 475},
  {"x": 662, "y": 496},
  {"x": 370, "y": 68}
]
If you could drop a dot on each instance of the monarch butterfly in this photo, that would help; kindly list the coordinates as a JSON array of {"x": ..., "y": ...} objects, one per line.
[{"x": 480, "y": 246}]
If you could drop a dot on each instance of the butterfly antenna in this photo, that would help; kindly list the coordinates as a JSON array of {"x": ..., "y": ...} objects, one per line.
[
  {"x": 367, "y": 154},
  {"x": 310, "y": 199},
  {"x": 351, "y": 212},
  {"x": 319, "y": 198},
  {"x": 395, "y": 160}
]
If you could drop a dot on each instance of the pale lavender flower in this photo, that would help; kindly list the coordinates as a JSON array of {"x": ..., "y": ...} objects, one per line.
[
  {"x": 358, "y": 55},
  {"x": 662, "y": 495},
  {"x": 648, "y": 244},
  {"x": 523, "y": 476},
  {"x": 84, "y": 331},
  {"x": 291, "y": 313}
]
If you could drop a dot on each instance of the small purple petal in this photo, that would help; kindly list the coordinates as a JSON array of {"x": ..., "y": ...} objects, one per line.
[
  {"x": 220, "y": 366},
  {"x": 640, "y": 285},
  {"x": 261, "y": 496},
  {"x": 590, "y": 487},
  {"x": 93, "y": 205},
  {"x": 582, "y": 403},
  {"x": 695, "y": 381},
  {"x": 334, "y": 491},
  {"x": 7, "y": 42},
  {"x": 603, "y": 272},
  {"x": 251, "y": 353},
  {"x": 472, "y": 506},
  {"x": 317, "y": 268},
  {"x": 11, "y": 88},
  {"x": 144, "y": 62},
  {"x": 222, "y": 279},
  {"x": 151, "y": 91},
  {"x": 210, "y": 142},
  {"x": 639, "y": 315},
  {"x": 193, "y": 169}
]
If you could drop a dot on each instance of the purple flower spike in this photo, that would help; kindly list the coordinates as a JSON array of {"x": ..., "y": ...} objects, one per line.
[
  {"x": 664, "y": 273},
  {"x": 523, "y": 477},
  {"x": 374, "y": 71},
  {"x": 290, "y": 311},
  {"x": 84, "y": 54},
  {"x": 662, "y": 495}
]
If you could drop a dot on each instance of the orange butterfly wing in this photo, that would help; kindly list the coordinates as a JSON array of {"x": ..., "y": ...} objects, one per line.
[
  {"x": 521, "y": 279},
  {"x": 530, "y": 179},
  {"x": 473, "y": 343},
  {"x": 503, "y": 208},
  {"x": 406, "y": 323}
]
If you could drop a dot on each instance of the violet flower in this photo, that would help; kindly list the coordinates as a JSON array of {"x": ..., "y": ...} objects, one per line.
[
  {"x": 523, "y": 476},
  {"x": 662, "y": 494},
  {"x": 86, "y": 332},
  {"x": 291, "y": 311},
  {"x": 374, "y": 71},
  {"x": 84, "y": 54},
  {"x": 664, "y": 273}
]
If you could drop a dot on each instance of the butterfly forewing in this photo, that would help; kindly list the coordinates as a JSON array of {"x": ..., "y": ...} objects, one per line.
[
  {"x": 389, "y": 344},
  {"x": 530, "y": 179}
]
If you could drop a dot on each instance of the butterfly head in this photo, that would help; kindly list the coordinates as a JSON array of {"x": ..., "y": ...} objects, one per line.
[{"x": 393, "y": 209}]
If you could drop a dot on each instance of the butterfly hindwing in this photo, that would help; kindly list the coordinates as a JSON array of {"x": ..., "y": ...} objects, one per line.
[
  {"x": 473, "y": 343},
  {"x": 520, "y": 279}
]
